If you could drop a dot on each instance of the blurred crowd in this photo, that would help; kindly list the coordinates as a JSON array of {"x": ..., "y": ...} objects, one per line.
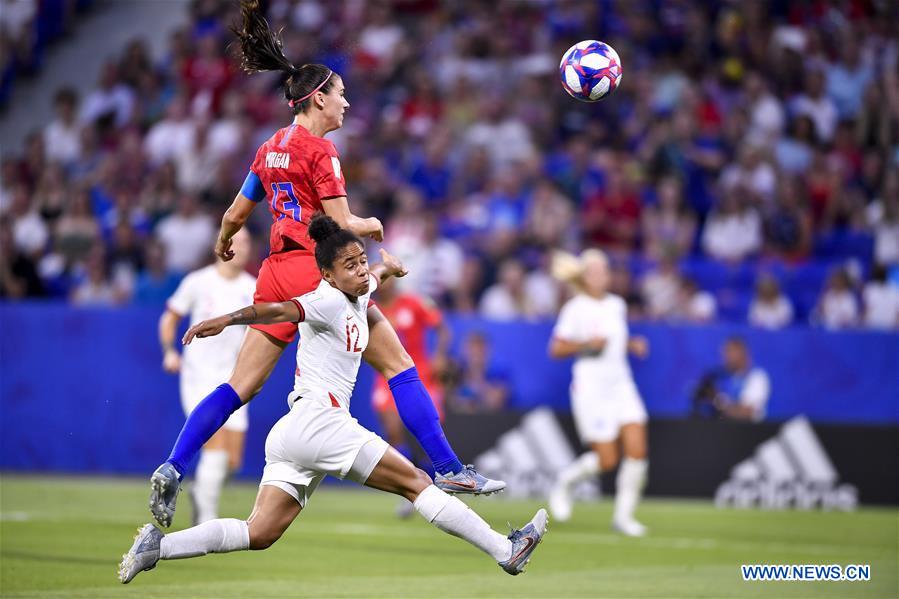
[{"x": 746, "y": 170}]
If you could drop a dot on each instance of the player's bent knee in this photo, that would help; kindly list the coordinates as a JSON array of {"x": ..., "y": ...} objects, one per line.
[
  {"x": 263, "y": 538},
  {"x": 416, "y": 483}
]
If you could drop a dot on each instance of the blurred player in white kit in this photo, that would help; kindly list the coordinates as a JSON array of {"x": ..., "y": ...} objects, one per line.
[
  {"x": 607, "y": 409},
  {"x": 216, "y": 289}
]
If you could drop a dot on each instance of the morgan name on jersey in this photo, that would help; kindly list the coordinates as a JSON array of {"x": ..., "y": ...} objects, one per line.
[{"x": 277, "y": 160}]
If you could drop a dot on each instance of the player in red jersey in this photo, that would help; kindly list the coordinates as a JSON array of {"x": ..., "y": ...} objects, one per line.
[
  {"x": 297, "y": 173},
  {"x": 412, "y": 317}
]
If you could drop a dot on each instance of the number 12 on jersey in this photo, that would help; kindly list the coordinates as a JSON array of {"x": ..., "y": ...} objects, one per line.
[{"x": 284, "y": 201}]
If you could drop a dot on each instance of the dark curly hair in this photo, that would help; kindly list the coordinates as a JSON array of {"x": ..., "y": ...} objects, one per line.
[{"x": 329, "y": 239}]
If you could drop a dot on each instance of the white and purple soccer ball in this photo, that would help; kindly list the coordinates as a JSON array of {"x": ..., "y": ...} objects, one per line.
[{"x": 590, "y": 70}]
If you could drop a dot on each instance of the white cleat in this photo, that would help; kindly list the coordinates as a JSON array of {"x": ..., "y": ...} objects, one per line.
[
  {"x": 630, "y": 528},
  {"x": 560, "y": 504}
]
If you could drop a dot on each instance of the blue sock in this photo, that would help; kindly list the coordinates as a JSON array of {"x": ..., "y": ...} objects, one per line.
[
  {"x": 406, "y": 451},
  {"x": 208, "y": 417},
  {"x": 418, "y": 413}
]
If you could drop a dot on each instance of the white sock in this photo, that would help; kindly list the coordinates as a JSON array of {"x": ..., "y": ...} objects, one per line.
[
  {"x": 585, "y": 466},
  {"x": 216, "y": 536},
  {"x": 212, "y": 470},
  {"x": 629, "y": 486},
  {"x": 454, "y": 517}
]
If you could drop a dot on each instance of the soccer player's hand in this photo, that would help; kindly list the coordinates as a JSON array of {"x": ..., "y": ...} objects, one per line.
[
  {"x": 378, "y": 233},
  {"x": 171, "y": 361},
  {"x": 207, "y": 328},
  {"x": 223, "y": 249},
  {"x": 639, "y": 346},
  {"x": 394, "y": 265}
]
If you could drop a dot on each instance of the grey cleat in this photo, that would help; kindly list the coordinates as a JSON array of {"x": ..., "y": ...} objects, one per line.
[
  {"x": 143, "y": 555},
  {"x": 468, "y": 482},
  {"x": 524, "y": 541},
  {"x": 164, "y": 489}
]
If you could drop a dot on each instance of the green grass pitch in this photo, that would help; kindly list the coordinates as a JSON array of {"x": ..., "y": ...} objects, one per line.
[{"x": 63, "y": 537}]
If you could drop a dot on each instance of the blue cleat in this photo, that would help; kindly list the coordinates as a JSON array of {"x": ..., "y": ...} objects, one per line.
[
  {"x": 468, "y": 482},
  {"x": 524, "y": 541},
  {"x": 143, "y": 555},
  {"x": 165, "y": 485}
]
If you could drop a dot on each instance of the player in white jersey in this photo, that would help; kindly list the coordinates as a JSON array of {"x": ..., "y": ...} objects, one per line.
[
  {"x": 607, "y": 409},
  {"x": 318, "y": 436},
  {"x": 216, "y": 289}
]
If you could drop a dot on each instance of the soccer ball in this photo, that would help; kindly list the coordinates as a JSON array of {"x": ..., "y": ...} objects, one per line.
[{"x": 590, "y": 70}]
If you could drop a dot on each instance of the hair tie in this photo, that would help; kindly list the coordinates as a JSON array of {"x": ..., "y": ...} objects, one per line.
[{"x": 293, "y": 103}]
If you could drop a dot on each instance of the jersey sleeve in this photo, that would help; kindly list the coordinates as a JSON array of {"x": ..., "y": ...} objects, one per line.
[
  {"x": 319, "y": 307},
  {"x": 568, "y": 327},
  {"x": 253, "y": 187},
  {"x": 184, "y": 297},
  {"x": 327, "y": 176}
]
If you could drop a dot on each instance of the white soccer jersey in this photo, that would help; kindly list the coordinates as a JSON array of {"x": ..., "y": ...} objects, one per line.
[
  {"x": 583, "y": 318},
  {"x": 333, "y": 335},
  {"x": 205, "y": 294}
]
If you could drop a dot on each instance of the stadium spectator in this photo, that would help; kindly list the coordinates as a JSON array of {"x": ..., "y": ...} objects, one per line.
[
  {"x": 30, "y": 234},
  {"x": 770, "y": 309},
  {"x": 111, "y": 102},
  {"x": 611, "y": 218},
  {"x": 508, "y": 299},
  {"x": 77, "y": 229},
  {"x": 837, "y": 307},
  {"x": 736, "y": 390},
  {"x": 476, "y": 385},
  {"x": 660, "y": 288},
  {"x": 733, "y": 230},
  {"x": 668, "y": 227},
  {"x": 18, "y": 273},
  {"x": 95, "y": 287},
  {"x": 156, "y": 283},
  {"x": 549, "y": 220},
  {"x": 814, "y": 104},
  {"x": 62, "y": 137},
  {"x": 881, "y": 299},
  {"x": 694, "y": 304},
  {"x": 188, "y": 235},
  {"x": 788, "y": 224}
]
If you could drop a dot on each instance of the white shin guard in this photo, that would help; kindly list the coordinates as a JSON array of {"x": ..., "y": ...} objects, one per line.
[{"x": 215, "y": 536}]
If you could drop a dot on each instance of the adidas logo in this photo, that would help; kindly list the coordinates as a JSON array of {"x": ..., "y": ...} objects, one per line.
[
  {"x": 792, "y": 470},
  {"x": 530, "y": 456}
]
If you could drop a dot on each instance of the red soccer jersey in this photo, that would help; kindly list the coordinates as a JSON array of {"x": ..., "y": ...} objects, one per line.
[
  {"x": 411, "y": 317},
  {"x": 297, "y": 171}
]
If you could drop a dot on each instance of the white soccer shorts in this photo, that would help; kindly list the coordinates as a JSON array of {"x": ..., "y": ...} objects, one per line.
[
  {"x": 193, "y": 391},
  {"x": 601, "y": 411},
  {"x": 313, "y": 440}
]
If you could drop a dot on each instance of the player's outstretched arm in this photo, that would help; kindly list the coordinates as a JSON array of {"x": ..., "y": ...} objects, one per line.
[
  {"x": 562, "y": 348},
  {"x": 233, "y": 221},
  {"x": 255, "y": 314},
  {"x": 390, "y": 266},
  {"x": 339, "y": 209}
]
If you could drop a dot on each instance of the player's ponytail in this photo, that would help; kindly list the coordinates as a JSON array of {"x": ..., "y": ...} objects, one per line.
[
  {"x": 262, "y": 50},
  {"x": 329, "y": 239}
]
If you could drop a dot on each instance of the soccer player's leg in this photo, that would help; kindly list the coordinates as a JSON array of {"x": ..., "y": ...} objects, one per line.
[
  {"x": 386, "y": 354},
  {"x": 395, "y": 474},
  {"x": 394, "y": 431},
  {"x": 273, "y": 513},
  {"x": 597, "y": 428},
  {"x": 258, "y": 355},
  {"x": 631, "y": 479}
]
